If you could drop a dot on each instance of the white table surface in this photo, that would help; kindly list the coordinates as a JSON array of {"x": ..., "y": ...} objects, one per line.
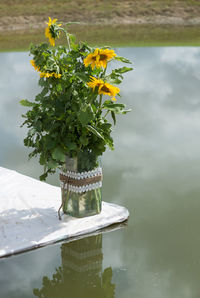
[{"x": 29, "y": 219}]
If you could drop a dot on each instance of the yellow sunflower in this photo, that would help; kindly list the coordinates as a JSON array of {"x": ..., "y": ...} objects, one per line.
[
  {"x": 50, "y": 33},
  {"x": 95, "y": 83},
  {"x": 34, "y": 65},
  {"x": 45, "y": 75},
  {"x": 108, "y": 89},
  {"x": 99, "y": 58},
  {"x": 50, "y": 74},
  {"x": 103, "y": 87},
  {"x": 57, "y": 76}
]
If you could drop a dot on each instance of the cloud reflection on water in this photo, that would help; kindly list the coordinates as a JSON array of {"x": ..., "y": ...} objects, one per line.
[{"x": 154, "y": 170}]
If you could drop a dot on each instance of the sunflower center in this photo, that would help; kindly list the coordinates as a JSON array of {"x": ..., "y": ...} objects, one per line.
[
  {"x": 103, "y": 57},
  {"x": 105, "y": 89}
]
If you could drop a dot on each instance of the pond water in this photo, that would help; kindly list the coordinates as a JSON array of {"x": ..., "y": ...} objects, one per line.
[{"x": 154, "y": 172}]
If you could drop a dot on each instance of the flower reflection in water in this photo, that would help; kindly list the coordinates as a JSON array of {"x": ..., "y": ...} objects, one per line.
[{"x": 81, "y": 273}]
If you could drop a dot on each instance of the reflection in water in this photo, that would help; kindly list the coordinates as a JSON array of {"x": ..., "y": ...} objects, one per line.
[{"x": 80, "y": 274}]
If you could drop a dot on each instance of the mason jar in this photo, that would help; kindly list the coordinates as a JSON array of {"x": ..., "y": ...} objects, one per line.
[{"x": 81, "y": 183}]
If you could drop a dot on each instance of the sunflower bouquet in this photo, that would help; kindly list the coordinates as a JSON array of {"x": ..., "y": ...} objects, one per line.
[{"x": 69, "y": 118}]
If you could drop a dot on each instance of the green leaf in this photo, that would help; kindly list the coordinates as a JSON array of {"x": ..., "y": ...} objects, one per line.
[
  {"x": 94, "y": 108},
  {"x": 116, "y": 76},
  {"x": 94, "y": 131},
  {"x": 42, "y": 82},
  {"x": 113, "y": 117},
  {"x": 31, "y": 132},
  {"x": 42, "y": 159},
  {"x": 70, "y": 145},
  {"x": 113, "y": 105},
  {"x": 71, "y": 23},
  {"x": 122, "y": 69},
  {"x": 117, "y": 108},
  {"x": 52, "y": 164},
  {"x": 116, "y": 81},
  {"x": 126, "y": 111},
  {"x": 82, "y": 76},
  {"x": 122, "y": 59},
  {"x": 84, "y": 140},
  {"x": 86, "y": 115},
  {"x": 50, "y": 142},
  {"x": 59, "y": 87},
  {"x": 58, "y": 154},
  {"x": 43, "y": 177},
  {"x": 72, "y": 38},
  {"x": 26, "y": 103}
]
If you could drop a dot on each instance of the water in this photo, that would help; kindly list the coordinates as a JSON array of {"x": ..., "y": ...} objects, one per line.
[{"x": 154, "y": 172}]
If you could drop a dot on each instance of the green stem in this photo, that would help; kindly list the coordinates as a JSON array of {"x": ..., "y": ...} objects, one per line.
[
  {"x": 101, "y": 95},
  {"x": 67, "y": 36},
  {"x": 68, "y": 41},
  {"x": 100, "y": 100},
  {"x": 104, "y": 72},
  {"x": 106, "y": 114}
]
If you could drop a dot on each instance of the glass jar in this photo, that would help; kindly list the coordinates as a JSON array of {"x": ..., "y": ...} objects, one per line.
[{"x": 86, "y": 202}]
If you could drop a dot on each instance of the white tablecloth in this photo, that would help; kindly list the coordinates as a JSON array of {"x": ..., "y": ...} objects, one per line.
[{"x": 29, "y": 219}]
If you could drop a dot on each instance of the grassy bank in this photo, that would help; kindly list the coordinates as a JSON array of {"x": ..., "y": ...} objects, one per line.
[
  {"x": 97, "y": 9},
  {"x": 122, "y": 35},
  {"x": 111, "y": 22}
]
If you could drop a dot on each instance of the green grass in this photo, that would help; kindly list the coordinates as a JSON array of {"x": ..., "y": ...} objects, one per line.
[{"x": 126, "y": 35}]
